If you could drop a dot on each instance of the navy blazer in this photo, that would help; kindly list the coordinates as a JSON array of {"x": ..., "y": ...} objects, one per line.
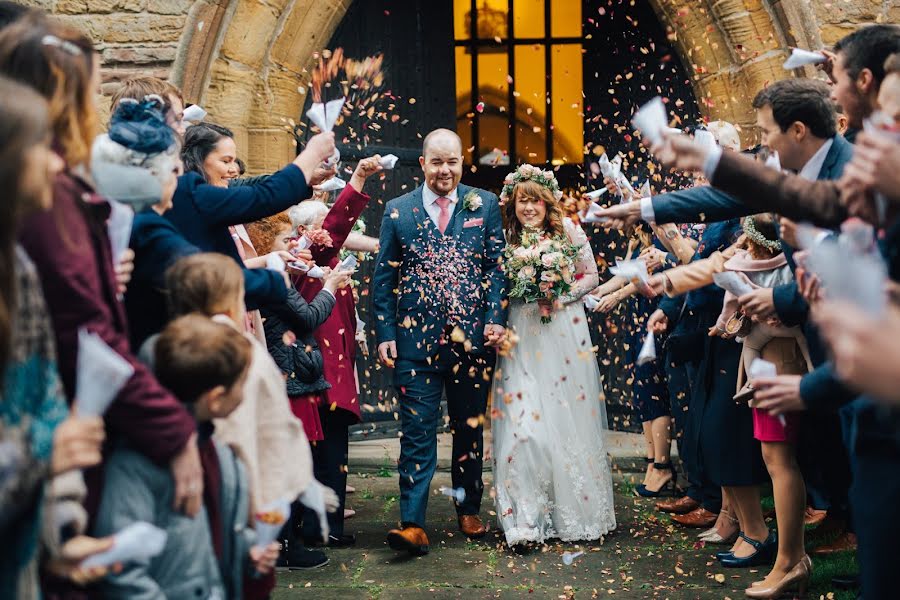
[
  {"x": 157, "y": 245},
  {"x": 203, "y": 212},
  {"x": 706, "y": 203},
  {"x": 418, "y": 294}
]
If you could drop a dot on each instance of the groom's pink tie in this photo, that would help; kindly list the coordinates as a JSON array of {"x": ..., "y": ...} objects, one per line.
[{"x": 444, "y": 217}]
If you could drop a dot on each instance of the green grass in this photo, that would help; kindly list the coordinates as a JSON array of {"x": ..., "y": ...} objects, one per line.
[
  {"x": 387, "y": 467},
  {"x": 827, "y": 567}
]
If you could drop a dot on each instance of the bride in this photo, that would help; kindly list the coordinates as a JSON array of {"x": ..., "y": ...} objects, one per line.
[{"x": 551, "y": 474}]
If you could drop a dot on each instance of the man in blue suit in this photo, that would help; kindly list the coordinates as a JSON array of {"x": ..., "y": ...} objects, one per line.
[{"x": 440, "y": 309}]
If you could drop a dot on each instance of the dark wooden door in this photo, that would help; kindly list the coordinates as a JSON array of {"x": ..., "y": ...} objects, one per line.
[{"x": 416, "y": 38}]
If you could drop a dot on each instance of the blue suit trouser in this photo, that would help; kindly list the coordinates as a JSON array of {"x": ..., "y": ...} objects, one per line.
[{"x": 421, "y": 384}]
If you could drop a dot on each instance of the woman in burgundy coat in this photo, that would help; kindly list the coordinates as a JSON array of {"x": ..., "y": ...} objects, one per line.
[
  {"x": 70, "y": 248},
  {"x": 337, "y": 340}
]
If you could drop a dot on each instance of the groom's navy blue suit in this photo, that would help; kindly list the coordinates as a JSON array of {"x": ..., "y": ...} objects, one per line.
[{"x": 434, "y": 293}]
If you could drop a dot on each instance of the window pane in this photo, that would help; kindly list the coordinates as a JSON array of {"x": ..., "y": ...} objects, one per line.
[
  {"x": 465, "y": 112},
  {"x": 565, "y": 19},
  {"x": 568, "y": 120},
  {"x": 493, "y": 121},
  {"x": 531, "y": 104},
  {"x": 461, "y": 23},
  {"x": 493, "y": 16},
  {"x": 528, "y": 18}
]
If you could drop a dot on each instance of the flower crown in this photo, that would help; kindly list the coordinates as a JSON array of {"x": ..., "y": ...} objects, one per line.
[
  {"x": 753, "y": 233},
  {"x": 530, "y": 173}
]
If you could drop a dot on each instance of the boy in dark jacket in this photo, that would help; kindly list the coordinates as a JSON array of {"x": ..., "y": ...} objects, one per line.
[{"x": 205, "y": 365}]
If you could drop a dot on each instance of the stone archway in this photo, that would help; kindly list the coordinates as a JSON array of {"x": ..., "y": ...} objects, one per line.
[{"x": 247, "y": 61}]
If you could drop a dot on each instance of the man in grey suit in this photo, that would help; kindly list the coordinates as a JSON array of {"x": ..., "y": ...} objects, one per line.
[{"x": 440, "y": 310}]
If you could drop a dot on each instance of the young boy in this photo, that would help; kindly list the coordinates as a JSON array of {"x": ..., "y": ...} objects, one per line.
[{"x": 205, "y": 365}]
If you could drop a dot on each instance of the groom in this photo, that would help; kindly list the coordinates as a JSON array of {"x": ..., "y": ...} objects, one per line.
[{"x": 440, "y": 310}]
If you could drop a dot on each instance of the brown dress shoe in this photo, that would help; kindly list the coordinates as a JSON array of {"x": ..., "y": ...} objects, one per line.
[
  {"x": 410, "y": 539},
  {"x": 814, "y": 516},
  {"x": 843, "y": 543},
  {"x": 472, "y": 526},
  {"x": 699, "y": 517},
  {"x": 679, "y": 506}
]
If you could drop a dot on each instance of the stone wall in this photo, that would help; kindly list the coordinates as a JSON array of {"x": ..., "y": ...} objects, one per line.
[{"x": 246, "y": 61}]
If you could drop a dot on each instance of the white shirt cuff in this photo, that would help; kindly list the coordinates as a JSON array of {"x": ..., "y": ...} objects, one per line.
[
  {"x": 647, "y": 213},
  {"x": 712, "y": 162}
]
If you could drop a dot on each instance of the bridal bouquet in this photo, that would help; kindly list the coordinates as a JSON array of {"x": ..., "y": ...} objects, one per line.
[{"x": 541, "y": 268}]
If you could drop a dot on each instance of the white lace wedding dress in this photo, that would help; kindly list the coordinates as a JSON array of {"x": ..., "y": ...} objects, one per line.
[{"x": 551, "y": 473}]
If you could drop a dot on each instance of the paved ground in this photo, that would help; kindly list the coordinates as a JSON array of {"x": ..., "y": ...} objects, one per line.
[{"x": 644, "y": 558}]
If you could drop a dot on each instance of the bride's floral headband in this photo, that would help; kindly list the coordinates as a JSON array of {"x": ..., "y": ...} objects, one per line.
[{"x": 532, "y": 173}]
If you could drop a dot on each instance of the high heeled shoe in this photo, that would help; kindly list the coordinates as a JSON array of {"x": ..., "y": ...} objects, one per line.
[
  {"x": 764, "y": 554},
  {"x": 798, "y": 577},
  {"x": 712, "y": 536},
  {"x": 642, "y": 491}
]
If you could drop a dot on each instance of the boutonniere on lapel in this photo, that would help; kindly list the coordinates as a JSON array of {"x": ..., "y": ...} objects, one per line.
[{"x": 472, "y": 201}]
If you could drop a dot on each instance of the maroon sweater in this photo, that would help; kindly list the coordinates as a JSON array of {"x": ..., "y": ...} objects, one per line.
[{"x": 70, "y": 248}]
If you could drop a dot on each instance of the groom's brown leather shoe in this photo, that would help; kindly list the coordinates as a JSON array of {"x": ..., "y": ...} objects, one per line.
[
  {"x": 472, "y": 526},
  {"x": 410, "y": 539}
]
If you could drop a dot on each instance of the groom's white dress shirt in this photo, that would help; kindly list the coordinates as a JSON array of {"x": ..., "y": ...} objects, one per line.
[{"x": 429, "y": 198}]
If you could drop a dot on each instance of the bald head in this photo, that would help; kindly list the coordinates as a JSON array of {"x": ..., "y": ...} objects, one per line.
[
  {"x": 443, "y": 140},
  {"x": 441, "y": 161}
]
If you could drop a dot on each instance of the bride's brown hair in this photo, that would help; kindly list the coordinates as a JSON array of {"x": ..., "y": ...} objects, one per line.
[{"x": 553, "y": 222}]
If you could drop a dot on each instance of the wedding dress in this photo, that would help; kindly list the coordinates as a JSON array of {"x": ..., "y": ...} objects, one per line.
[{"x": 551, "y": 473}]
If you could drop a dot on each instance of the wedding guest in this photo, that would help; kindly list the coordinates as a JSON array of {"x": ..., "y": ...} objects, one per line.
[
  {"x": 70, "y": 247},
  {"x": 205, "y": 364},
  {"x": 289, "y": 337},
  {"x": 763, "y": 264},
  {"x": 337, "y": 340},
  {"x": 140, "y": 87},
  {"x": 204, "y": 207},
  {"x": 44, "y": 445},
  {"x": 651, "y": 397},
  {"x": 269, "y": 437}
]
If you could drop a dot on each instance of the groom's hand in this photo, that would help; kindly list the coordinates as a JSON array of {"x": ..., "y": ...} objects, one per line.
[
  {"x": 387, "y": 353},
  {"x": 494, "y": 334}
]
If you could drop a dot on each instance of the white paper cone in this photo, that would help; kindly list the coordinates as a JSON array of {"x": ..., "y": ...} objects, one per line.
[
  {"x": 139, "y": 541},
  {"x": 590, "y": 303},
  {"x": 761, "y": 368},
  {"x": 304, "y": 243},
  {"x": 348, "y": 264},
  {"x": 194, "y": 114},
  {"x": 732, "y": 282},
  {"x": 266, "y": 533},
  {"x": 388, "y": 161},
  {"x": 800, "y": 58},
  {"x": 646, "y": 192},
  {"x": 636, "y": 272},
  {"x": 325, "y": 115},
  {"x": 591, "y": 216},
  {"x": 650, "y": 119},
  {"x": 648, "y": 350},
  {"x": 773, "y": 161},
  {"x": 119, "y": 224},
  {"x": 275, "y": 263},
  {"x": 595, "y": 194},
  {"x": 705, "y": 138},
  {"x": 100, "y": 374},
  {"x": 315, "y": 272},
  {"x": 334, "y": 184}
]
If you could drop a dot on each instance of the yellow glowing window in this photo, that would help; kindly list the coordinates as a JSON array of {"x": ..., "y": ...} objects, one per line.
[{"x": 519, "y": 80}]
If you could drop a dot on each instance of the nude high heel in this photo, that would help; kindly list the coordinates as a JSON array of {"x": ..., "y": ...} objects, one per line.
[{"x": 798, "y": 578}]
